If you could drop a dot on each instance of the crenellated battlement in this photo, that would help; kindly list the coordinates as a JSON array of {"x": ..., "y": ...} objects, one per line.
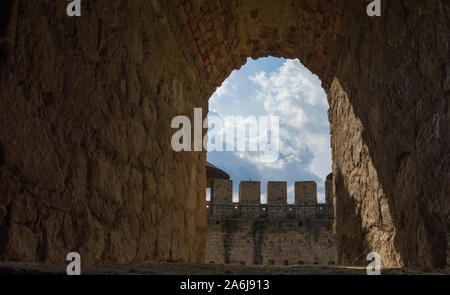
[
  {"x": 275, "y": 233},
  {"x": 221, "y": 203}
]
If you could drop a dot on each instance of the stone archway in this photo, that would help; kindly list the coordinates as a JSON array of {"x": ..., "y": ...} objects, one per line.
[{"x": 87, "y": 104}]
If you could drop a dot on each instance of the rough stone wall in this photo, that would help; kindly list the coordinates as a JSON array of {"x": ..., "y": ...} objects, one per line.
[
  {"x": 448, "y": 248},
  {"x": 390, "y": 136},
  {"x": 270, "y": 242},
  {"x": 268, "y": 234},
  {"x": 86, "y": 105}
]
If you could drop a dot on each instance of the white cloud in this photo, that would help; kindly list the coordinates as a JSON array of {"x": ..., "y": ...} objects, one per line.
[{"x": 295, "y": 95}]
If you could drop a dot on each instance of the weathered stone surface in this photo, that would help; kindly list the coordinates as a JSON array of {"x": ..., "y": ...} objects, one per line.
[
  {"x": 86, "y": 105},
  {"x": 250, "y": 192},
  {"x": 270, "y": 242},
  {"x": 277, "y": 192},
  {"x": 389, "y": 125},
  {"x": 87, "y": 166},
  {"x": 222, "y": 189},
  {"x": 305, "y": 192},
  {"x": 274, "y": 233}
]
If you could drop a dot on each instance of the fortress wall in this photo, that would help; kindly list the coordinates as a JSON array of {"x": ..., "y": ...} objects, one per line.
[
  {"x": 275, "y": 233},
  {"x": 291, "y": 242},
  {"x": 270, "y": 242},
  {"x": 250, "y": 192},
  {"x": 249, "y": 205},
  {"x": 215, "y": 243}
]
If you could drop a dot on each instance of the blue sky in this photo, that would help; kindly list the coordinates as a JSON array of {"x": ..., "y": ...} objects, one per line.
[{"x": 283, "y": 88}]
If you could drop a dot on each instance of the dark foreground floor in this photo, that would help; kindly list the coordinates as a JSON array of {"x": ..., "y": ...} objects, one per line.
[{"x": 181, "y": 268}]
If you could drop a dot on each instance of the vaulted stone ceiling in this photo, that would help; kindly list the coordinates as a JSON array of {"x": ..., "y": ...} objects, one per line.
[{"x": 221, "y": 35}]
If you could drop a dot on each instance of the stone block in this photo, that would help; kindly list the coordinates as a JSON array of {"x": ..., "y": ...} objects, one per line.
[
  {"x": 276, "y": 193},
  {"x": 222, "y": 192},
  {"x": 250, "y": 193},
  {"x": 305, "y": 193}
]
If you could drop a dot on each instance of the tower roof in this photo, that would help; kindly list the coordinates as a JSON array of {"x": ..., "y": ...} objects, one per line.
[{"x": 212, "y": 172}]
